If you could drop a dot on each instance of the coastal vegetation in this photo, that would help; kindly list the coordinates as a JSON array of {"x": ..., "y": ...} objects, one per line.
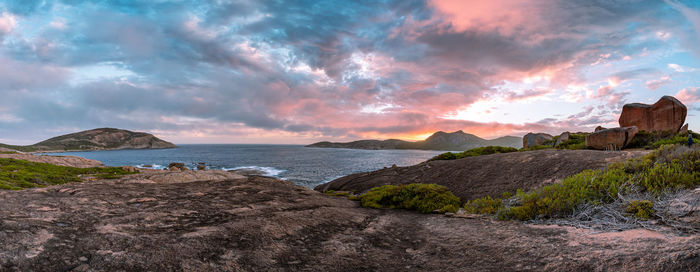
[
  {"x": 576, "y": 141},
  {"x": 424, "y": 198},
  {"x": 669, "y": 168},
  {"x": 20, "y": 174},
  {"x": 654, "y": 140},
  {"x": 474, "y": 152}
]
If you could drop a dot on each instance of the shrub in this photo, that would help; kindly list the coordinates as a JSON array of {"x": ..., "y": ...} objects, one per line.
[
  {"x": 654, "y": 140},
  {"x": 641, "y": 209},
  {"x": 486, "y": 150},
  {"x": 19, "y": 174},
  {"x": 485, "y": 205},
  {"x": 424, "y": 198}
]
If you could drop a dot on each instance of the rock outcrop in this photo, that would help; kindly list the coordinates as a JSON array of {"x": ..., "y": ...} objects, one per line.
[
  {"x": 611, "y": 138},
  {"x": 535, "y": 139},
  {"x": 598, "y": 128},
  {"x": 265, "y": 224},
  {"x": 487, "y": 175},
  {"x": 667, "y": 114},
  {"x": 562, "y": 138}
]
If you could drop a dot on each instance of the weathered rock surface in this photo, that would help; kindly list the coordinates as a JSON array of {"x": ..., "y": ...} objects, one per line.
[
  {"x": 563, "y": 137},
  {"x": 599, "y": 128},
  {"x": 667, "y": 114},
  {"x": 264, "y": 224},
  {"x": 683, "y": 129},
  {"x": 488, "y": 175},
  {"x": 57, "y": 160},
  {"x": 611, "y": 138},
  {"x": 160, "y": 176},
  {"x": 535, "y": 139}
]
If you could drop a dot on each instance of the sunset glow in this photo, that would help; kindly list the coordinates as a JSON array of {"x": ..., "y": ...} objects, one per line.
[{"x": 296, "y": 72}]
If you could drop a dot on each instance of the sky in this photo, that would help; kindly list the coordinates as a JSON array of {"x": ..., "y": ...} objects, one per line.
[{"x": 297, "y": 72}]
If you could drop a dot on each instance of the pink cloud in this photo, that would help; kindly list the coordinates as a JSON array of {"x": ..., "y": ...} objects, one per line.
[
  {"x": 657, "y": 83},
  {"x": 689, "y": 95}
]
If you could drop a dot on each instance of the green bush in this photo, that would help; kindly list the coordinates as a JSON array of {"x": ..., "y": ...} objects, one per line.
[
  {"x": 641, "y": 209},
  {"x": 485, "y": 205},
  {"x": 479, "y": 151},
  {"x": 20, "y": 174},
  {"x": 424, "y": 198},
  {"x": 669, "y": 168},
  {"x": 654, "y": 140}
]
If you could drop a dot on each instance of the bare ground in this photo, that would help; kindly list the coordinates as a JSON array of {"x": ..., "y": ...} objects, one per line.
[
  {"x": 264, "y": 224},
  {"x": 480, "y": 176}
]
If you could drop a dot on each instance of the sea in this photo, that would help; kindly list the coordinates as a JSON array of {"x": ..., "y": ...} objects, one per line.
[{"x": 305, "y": 166}]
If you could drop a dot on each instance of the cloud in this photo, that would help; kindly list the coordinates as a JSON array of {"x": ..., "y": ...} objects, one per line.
[
  {"x": 657, "y": 83},
  {"x": 689, "y": 95},
  {"x": 315, "y": 69},
  {"x": 7, "y": 23}
]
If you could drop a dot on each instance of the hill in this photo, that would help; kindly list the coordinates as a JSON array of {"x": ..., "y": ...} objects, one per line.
[
  {"x": 458, "y": 140},
  {"x": 96, "y": 139}
]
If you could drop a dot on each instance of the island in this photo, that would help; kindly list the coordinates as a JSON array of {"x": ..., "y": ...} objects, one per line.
[
  {"x": 458, "y": 140},
  {"x": 95, "y": 139}
]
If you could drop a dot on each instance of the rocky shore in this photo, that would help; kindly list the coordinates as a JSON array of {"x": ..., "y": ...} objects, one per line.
[
  {"x": 221, "y": 221},
  {"x": 264, "y": 224}
]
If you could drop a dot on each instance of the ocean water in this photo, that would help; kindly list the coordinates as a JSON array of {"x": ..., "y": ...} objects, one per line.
[{"x": 305, "y": 166}]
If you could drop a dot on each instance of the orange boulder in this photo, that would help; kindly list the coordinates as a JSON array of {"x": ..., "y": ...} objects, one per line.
[
  {"x": 667, "y": 114},
  {"x": 611, "y": 138}
]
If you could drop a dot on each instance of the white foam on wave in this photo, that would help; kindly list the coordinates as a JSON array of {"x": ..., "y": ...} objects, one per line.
[
  {"x": 268, "y": 171},
  {"x": 152, "y": 166}
]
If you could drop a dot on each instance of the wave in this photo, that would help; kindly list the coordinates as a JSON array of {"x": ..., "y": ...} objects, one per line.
[
  {"x": 267, "y": 171},
  {"x": 151, "y": 166}
]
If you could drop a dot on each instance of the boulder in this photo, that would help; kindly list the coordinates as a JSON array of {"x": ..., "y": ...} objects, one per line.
[
  {"x": 598, "y": 128},
  {"x": 684, "y": 129},
  {"x": 562, "y": 138},
  {"x": 611, "y": 138},
  {"x": 177, "y": 166},
  {"x": 202, "y": 166},
  {"x": 534, "y": 139},
  {"x": 667, "y": 114}
]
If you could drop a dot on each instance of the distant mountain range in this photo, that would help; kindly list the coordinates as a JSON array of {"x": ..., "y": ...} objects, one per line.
[
  {"x": 95, "y": 139},
  {"x": 458, "y": 140}
]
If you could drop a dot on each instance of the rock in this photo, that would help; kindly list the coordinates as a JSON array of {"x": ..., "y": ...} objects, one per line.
[
  {"x": 667, "y": 114},
  {"x": 611, "y": 138},
  {"x": 70, "y": 161},
  {"x": 534, "y": 139},
  {"x": 177, "y": 166},
  {"x": 474, "y": 177},
  {"x": 598, "y": 128},
  {"x": 562, "y": 138},
  {"x": 83, "y": 259},
  {"x": 684, "y": 129},
  {"x": 130, "y": 169},
  {"x": 201, "y": 166}
]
